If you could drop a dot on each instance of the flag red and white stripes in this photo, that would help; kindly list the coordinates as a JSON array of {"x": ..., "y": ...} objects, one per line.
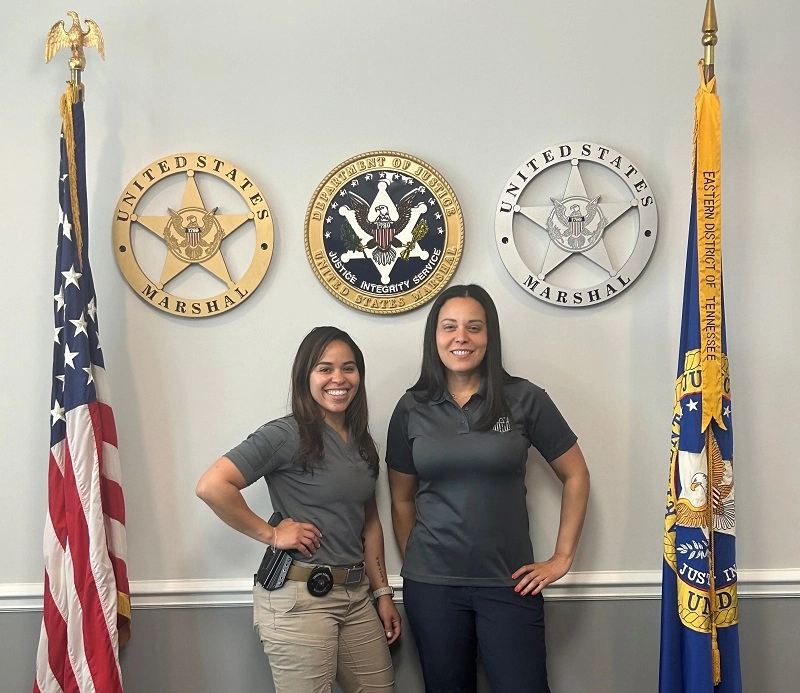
[{"x": 86, "y": 613}]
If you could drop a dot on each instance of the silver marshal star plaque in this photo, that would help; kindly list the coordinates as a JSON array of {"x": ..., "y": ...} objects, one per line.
[{"x": 576, "y": 224}]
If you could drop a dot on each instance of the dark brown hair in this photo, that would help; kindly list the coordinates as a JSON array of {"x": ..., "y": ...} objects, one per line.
[{"x": 306, "y": 410}]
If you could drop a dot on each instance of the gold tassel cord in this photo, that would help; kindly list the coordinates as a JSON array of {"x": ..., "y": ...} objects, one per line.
[
  {"x": 73, "y": 95},
  {"x": 711, "y": 443}
]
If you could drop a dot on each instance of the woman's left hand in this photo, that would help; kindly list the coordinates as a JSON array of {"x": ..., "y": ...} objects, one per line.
[
  {"x": 537, "y": 576},
  {"x": 390, "y": 618}
]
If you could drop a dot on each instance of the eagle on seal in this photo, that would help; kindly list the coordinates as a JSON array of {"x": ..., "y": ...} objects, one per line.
[
  {"x": 721, "y": 503},
  {"x": 192, "y": 231},
  {"x": 383, "y": 230},
  {"x": 573, "y": 221}
]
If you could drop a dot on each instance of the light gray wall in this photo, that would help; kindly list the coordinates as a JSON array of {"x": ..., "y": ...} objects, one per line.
[{"x": 289, "y": 90}]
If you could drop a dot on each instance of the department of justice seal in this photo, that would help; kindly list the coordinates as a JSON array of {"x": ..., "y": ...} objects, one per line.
[
  {"x": 586, "y": 228},
  {"x": 384, "y": 232},
  {"x": 190, "y": 233}
]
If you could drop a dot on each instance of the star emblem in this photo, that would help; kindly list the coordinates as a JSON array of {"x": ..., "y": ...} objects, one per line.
[
  {"x": 80, "y": 325},
  {"x": 88, "y": 370},
  {"x": 72, "y": 277},
  {"x": 173, "y": 264},
  {"x": 692, "y": 405},
  {"x": 65, "y": 225},
  {"x": 727, "y": 410},
  {"x": 57, "y": 413},
  {"x": 574, "y": 192},
  {"x": 69, "y": 357}
]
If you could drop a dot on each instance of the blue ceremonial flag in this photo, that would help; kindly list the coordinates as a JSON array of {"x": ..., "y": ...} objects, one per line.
[{"x": 699, "y": 615}]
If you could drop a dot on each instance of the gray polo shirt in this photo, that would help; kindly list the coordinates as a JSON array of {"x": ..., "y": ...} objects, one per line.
[
  {"x": 471, "y": 514},
  {"x": 332, "y": 498}
]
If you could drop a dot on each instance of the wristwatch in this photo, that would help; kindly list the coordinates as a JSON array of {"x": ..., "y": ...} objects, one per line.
[{"x": 383, "y": 590}]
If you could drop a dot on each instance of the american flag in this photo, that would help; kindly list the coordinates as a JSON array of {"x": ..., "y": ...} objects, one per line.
[{"x": 86, "y": 595}]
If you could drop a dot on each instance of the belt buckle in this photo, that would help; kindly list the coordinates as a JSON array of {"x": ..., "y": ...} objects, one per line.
[{"x": 354, "y": 575}]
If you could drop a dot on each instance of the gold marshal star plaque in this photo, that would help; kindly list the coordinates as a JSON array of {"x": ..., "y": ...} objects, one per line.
[
  {"x": 194, "y": 224},
  {"x": 384, "y": 232}
]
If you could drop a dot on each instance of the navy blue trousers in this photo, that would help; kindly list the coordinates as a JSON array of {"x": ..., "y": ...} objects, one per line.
[{"x": 451, "y": 624}]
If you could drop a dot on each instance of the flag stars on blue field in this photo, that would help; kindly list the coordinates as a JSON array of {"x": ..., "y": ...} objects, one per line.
[
  {"x": 80, "y": 325},
  {"x": 59, "y": 299},
  {"x": 72, "y": 277},
  {"x": 69, "y": 357},
  {"x": 66, "y": 226},
  {"x": 57, "y": 412}
]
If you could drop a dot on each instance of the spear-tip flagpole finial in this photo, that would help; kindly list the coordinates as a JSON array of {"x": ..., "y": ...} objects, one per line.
[{"x": 709, "y": 37}]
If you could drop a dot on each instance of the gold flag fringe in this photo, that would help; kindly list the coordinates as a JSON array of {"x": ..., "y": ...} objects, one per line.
[
  {"x": 73, "y": 95},
  {"x": 712, "y": 582}
]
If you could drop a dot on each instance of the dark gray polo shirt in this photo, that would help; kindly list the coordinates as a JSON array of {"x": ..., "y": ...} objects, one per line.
[
  {"x": 332, "y": 498},
  {"x": 471, "y": 514}
]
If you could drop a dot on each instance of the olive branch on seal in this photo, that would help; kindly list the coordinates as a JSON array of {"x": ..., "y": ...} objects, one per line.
[{"x": 695, "y": 549}]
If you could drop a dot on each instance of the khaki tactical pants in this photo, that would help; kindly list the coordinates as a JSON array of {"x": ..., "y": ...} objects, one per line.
[{"x": 312, "y": 641}]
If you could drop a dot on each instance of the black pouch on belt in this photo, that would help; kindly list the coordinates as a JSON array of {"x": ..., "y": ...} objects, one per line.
[{"x": 272, "y": 572}]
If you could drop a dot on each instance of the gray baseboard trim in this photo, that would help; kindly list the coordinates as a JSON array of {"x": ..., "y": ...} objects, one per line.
[{"x": 578, "y": 586}]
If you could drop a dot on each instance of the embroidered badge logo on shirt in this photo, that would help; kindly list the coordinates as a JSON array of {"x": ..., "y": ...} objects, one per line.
[
  {"x": 384, "y": 232},
  {"x": 503, "y": 425}
]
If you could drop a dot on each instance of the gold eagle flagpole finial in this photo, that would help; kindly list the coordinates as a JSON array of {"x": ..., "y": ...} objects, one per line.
[
  {"x": 709, "y": 39},
  {"x": 76, "y": 40}
]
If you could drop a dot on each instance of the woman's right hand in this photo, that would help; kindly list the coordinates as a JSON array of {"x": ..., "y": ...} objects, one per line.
[{"x": 302, "y": 536}]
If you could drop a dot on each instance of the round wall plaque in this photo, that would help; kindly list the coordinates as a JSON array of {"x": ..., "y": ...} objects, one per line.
[
  {"x": 384, "y": 232},
  {"x": 192, "y": 231},
  {"x": 586, "y": 227}
]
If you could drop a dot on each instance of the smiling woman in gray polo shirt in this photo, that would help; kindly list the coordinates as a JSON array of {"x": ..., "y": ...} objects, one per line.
[
  {"x": 457, "y": 452},
  {"x": 320, "y": 464}
]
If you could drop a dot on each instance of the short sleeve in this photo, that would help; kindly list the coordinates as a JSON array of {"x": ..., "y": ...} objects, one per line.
[
  {"x": 546, "y": 428},
  {"x": 263, "y": 451},
  {"x": 398, "y": 445}
]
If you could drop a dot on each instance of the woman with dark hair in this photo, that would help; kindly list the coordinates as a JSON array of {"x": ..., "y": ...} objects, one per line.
[
  {"x": 320, "y": 464},
  {"x": 457, "y": 452}
]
